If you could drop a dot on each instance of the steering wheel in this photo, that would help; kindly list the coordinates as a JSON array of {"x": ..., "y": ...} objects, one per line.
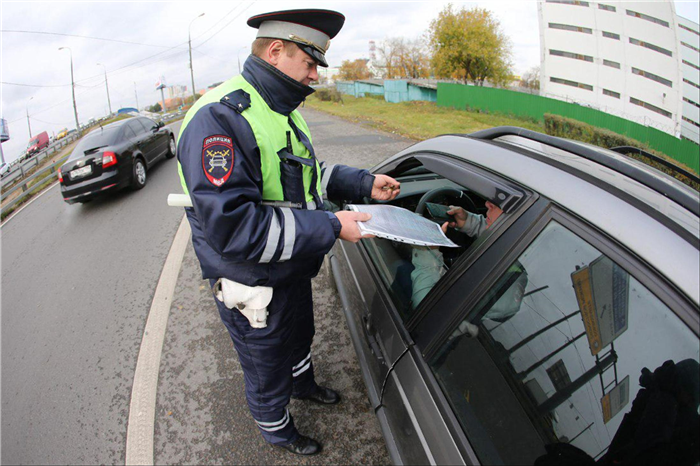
[{"x": 443, "y": 192}]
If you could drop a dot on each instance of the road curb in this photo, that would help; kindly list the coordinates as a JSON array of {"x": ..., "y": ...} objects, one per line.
[{"x": 141, "y": 424}]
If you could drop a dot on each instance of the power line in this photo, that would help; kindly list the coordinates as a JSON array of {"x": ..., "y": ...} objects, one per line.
[
  {"x": 34, "y": 85},
  {"x": 227, "y": 24},
  {"x": 220, "y": 20},
  {"x": 82, "y": 37}
]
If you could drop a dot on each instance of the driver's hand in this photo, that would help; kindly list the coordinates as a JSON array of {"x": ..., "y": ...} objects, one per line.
[{"x": 460, "y": 216}]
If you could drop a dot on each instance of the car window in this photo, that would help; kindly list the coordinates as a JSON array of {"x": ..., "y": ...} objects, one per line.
[
  {"x": 409, "y": 272},
  {"x": 147, "y": 124},
  {"x": 554, "y": 353},
  {"x": 136, "y": 126},
  {"x": 96, "y": 139},
  {"x": 128, "y": 133}
]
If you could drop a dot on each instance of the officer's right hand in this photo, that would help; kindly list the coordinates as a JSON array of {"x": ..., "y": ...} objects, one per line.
[{"x": 348, "y": 220}]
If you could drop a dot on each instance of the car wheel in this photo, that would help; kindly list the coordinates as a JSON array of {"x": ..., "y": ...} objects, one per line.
[
  {"x": 171, "y": 148},
  {"x": 138, "y": 177}
]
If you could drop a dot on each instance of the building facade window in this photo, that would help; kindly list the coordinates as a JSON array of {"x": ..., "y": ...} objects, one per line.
[
  {"x": 571, "y": 83},
  {"x": 611, "y": 35},
  {"x": 691, "y": 102},
  {"x": 651, "y": 107},
  {"x": 692, "y": 65},
  {"x": 648, "y": 18},
  {"x": 652, "y": 76},
  {"x": 569, "y": 27},
  {"x": 691, "y": 121},
  {"x": 682, "y": 26},
  {"x": 605, "y": 7},
  {"x": 569, "y": 2},
  {"x": 577, "y": 56},
  {"x": 649, "y": 46},
  {"x": 690, "y": 46},
  {"x": 612, "y": 64},
  {"x": 691, "y": 83},
  {"x": 611, "y": 93}
]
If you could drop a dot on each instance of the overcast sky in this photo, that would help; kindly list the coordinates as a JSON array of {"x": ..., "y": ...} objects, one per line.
[{"x": 154, "y": 43}]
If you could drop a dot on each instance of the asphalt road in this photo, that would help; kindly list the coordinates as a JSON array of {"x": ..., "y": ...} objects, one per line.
[{"x": 77, "y": 285}]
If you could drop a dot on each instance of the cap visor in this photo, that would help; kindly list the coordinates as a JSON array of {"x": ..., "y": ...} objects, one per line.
[{"x": 315, "y": 54}]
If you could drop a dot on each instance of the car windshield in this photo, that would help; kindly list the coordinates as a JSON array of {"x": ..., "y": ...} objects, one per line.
[
  {"x": 95, "y": 140},
  {"x": 32, "y": 142}
]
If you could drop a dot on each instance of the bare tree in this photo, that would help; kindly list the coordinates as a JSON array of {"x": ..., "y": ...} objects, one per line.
[
  {"x": 531, "y": 79},
  {"x": 404, "y": 58}
]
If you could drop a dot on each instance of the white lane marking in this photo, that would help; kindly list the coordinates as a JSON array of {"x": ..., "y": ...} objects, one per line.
[
  {"x": 27, "y": 204},
  {"x": 139, "y": 435}
]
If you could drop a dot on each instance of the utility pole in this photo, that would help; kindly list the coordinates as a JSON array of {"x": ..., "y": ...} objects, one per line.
[
  {"x": 189, "y": 41},
  {"x": 107, "y": 86},
  {"x": 239, "y": 58},
  {"x": 28, "y": 124},
  {"x": 137, "y": 96},
  {"x": 72, "y": 85}
]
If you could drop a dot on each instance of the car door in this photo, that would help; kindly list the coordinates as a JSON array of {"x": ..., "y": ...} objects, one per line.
[
  {"x": 549, "y": 335},
  {"x": 147, "y": 139},
  {"x": 158, "y": 142},
  {"x": 140, "y": 140},
  {"x": 385, "y": 302}
]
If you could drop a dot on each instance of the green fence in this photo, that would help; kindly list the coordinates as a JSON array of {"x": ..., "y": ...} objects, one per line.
[{"x": 534, "y": 106}]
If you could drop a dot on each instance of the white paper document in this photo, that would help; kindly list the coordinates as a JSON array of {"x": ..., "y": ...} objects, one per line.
[{"x": 398, "y": 224}]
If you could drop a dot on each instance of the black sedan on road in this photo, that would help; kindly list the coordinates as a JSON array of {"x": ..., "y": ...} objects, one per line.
[
  {"x": 113, "y": 157},
  {"x": 562, "y": 327}
]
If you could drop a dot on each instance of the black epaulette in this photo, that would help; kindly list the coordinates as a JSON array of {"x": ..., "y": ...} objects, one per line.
[{"x": 238, "y": 100}]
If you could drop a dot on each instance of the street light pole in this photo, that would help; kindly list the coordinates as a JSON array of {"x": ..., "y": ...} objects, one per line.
[
  {"x": 189, "y": 41},
  {"x": 137, "y": 96},
  {"x": 72, "y": 85},
  {"x": 28, "y": 124},
  {"x": 239, "y": 58},
  {"x": 107, "y": 86}
]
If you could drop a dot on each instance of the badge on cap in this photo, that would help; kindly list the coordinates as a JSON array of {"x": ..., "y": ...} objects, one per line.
[{"x": 217, "y": 158}]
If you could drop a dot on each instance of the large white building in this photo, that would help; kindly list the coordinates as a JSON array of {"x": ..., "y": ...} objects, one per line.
[
  {"x": 620, "y": 57},
  {"x": 689, "y": 39}
]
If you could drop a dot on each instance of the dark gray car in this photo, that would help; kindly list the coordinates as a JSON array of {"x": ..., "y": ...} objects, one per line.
[{"x": 569, "y": 327}]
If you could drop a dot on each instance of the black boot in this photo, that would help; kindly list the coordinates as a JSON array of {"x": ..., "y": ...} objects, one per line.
[
  {"x": 303, "y": 446},
  {"x": 324, "y": 396}
]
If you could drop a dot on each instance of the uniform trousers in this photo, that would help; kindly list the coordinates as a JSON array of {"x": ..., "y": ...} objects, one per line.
[{"x": 276, "y": 360}]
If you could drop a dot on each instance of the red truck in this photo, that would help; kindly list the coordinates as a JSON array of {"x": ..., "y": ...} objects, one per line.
[{"x": 37, "y": 143}]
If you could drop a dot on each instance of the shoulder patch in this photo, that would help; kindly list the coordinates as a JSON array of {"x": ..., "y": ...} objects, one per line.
[
  {"x": 217, "y": 158},
  {"x": 238, "y": 100}
]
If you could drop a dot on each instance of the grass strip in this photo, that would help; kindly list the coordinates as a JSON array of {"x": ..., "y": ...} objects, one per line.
[{"x": 416, "y": 120}]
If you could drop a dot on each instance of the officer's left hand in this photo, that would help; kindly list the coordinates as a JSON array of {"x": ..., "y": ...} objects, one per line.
[{"x": 385, "y": 188}]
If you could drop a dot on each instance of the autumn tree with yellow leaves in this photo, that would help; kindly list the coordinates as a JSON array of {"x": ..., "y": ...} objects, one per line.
[
  {"x": 352, "y": 70},
  {"x": 404, "y": 58},
  {"x": 469, "y": 45}
]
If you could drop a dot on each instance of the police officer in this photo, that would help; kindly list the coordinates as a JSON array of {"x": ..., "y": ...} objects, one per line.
[{"x": 259, "y": 227}]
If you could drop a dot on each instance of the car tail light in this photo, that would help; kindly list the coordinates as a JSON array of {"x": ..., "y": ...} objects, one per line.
[
  {"x": 109, "y": 159},
  {"x": 60, "y": 176}
]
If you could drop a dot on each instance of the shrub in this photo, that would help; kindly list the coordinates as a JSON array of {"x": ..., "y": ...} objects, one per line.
[{"x": 328, "y": 95}]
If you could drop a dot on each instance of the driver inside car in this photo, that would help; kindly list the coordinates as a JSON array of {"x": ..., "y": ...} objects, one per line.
[{"x": 428, "y": 262}]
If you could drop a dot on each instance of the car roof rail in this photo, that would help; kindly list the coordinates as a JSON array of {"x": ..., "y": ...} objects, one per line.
[
  {"x": 675, "y": 193},
  {"x": 656, "y": 158}
]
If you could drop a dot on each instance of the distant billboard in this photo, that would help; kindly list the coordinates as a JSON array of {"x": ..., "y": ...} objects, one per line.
[
  {"x": 4, "y": 130},
  {"x": 160, "y": 84}
]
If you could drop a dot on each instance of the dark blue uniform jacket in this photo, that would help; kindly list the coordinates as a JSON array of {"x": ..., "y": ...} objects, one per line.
[{"x": 230, "y": 226}]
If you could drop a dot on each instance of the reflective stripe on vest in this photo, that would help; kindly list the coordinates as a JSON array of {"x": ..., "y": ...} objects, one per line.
[{"x": 270, "y": 132}]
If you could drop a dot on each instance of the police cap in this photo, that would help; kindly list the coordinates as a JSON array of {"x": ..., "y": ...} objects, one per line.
[{"x": 312, "y": 30}]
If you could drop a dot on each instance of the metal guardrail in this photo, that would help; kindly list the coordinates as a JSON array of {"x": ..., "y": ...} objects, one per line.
[
  {"x": 29, "y": 190},
  {"x": 19, "y": 170}
]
